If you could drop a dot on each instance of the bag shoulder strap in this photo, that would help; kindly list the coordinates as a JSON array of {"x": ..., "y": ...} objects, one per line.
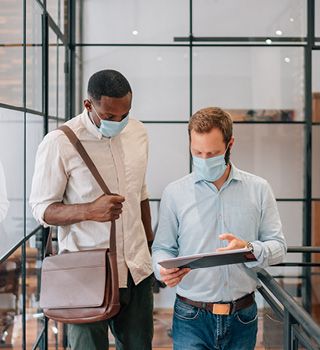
[
  {"x": 94, "y": 171},
  {"x": 85, "y": 156}
]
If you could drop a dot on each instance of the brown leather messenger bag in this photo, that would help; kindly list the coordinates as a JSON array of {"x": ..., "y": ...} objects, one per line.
[{"x": 81, "y": 287}]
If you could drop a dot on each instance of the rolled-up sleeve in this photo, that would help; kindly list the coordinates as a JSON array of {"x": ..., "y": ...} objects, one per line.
[
  {"x": 50, "y": 177},
  {"x": 271, "y": 247}
]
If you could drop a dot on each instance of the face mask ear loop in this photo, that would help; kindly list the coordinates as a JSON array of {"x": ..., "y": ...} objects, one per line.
[
  {"x": 96, "y": 114},
  {"x": 226, "y": 155}
]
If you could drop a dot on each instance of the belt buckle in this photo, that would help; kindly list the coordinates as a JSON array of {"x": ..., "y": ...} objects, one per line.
[{"x": 221, "y": 309}]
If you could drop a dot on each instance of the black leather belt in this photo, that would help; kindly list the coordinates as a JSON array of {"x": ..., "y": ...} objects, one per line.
[{"x": 222, "y": 308}]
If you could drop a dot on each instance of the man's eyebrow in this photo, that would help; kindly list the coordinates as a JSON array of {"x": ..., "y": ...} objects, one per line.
[{"x": 112, "y": 115}]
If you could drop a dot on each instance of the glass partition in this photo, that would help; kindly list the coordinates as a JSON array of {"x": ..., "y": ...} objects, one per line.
[{"x": 12, "y": 160}]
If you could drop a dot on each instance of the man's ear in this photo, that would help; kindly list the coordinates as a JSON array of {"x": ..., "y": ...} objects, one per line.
[
  {"x": 87, "y": 105},
  {"x": 231, "y": 143}
]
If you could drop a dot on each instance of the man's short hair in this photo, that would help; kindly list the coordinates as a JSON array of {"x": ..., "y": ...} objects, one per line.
[
  {"x": 206, "y": 119},
  {"x": 109, "y": 83},
  {"x": 209, "y": 118}
]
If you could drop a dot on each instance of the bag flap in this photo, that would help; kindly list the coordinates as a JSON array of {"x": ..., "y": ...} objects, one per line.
[{"x": 74, "y": 280}]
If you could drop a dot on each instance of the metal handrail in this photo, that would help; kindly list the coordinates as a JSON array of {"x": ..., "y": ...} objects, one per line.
[
  {"x": 303, "y": 249},
  {"x": 297, "y": 315},
  {"x": 19, "y": 244}
]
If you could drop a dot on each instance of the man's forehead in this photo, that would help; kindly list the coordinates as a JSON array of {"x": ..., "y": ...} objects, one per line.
[
  {"x": 115, "y": 105},
  {"x": 214, "y": 134}
]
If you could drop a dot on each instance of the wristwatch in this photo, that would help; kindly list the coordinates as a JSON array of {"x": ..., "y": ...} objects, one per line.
[{"x": 250, "y": 246}]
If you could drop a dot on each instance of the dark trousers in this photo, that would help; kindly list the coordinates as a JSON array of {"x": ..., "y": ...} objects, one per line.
[{"x": 132, "y": 327}]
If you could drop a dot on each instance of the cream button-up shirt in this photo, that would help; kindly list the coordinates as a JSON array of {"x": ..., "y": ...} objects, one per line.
[{"x": 61, "y": 176}]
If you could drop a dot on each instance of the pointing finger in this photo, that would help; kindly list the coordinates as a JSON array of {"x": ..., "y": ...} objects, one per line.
[{"x": 227, "y": 236}]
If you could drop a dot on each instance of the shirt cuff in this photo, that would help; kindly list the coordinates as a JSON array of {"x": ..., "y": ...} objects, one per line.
[
  {"x": 156, "y": 268},
  {"x": 258, "y": 253},
  {"x": 38, "y": 213}
]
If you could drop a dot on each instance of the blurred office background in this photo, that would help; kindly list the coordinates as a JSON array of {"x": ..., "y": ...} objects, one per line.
[{"x": 260, "y": 60}]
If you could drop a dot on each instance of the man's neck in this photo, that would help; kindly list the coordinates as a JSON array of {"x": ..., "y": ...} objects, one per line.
[{"x": 219, "y": 183}]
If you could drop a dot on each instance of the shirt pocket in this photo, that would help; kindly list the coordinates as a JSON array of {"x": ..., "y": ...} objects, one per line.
[{"x": 242, "y": 220}]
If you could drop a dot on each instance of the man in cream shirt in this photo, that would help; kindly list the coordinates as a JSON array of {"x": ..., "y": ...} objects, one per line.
[{"x": 64, "y": 193}]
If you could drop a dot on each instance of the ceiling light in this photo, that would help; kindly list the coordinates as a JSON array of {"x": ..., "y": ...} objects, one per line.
[
  {"x": 287, "y": 59},
  {"x": 279, "y": 32},
  {"x": 135, "y": 32},
  {"x": 269, "y": 41}
]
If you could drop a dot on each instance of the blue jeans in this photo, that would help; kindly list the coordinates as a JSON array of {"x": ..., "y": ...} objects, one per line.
[{"x": 199, "y": 329}]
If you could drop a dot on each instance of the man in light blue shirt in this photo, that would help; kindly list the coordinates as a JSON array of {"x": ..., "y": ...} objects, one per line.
[{"x": 216, "y": 207}]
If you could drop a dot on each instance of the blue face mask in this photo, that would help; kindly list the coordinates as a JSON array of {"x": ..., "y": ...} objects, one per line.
[
  {"x": 110, "y": 128},
  {"x": 209, "y": 169}
]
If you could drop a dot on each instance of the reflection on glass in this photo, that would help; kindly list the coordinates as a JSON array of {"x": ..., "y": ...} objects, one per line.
[
  {"x": 11, "y": 69},
  {"x": 61, "y": 82},
  {"x": 53, "y": 73},
  {"x": 52, "y": 124},
  {"x": 34, "y": 78},
  {"x": 253, "y": 83},
  {"x": 34, "y": 56},
  {"x": 315, "y": 161},
  {"x": 79, "y": 82},
  {"x": 11, "y": 22},
  {"x": 315, "y": 279},
  {"x": 142, "y": 21},
  {"x": 317, "y": 19},
  {"x": 4, "y": 203},
  {"x": 272, "y": 329},
  {"x": 10, "y": 296},
  {"x": 56, "y": 9},
  {"x": 291, "y": 214},
  {"x": 34, "y": 135},
  {"x": 56, "y": 333},
  {"x": 34, "y": 315},
  {"x": 11, "y": 25},
  {"x": 274, "y": 152},
  {"x": 12, "y": 159},
  {"x": 316, "y": 86},
  {"x": 56, "y": 77},
  {"x": 168, "y": 156},
  {"x": 242, "y": 18},
  {"x": 316, "y": 106}
]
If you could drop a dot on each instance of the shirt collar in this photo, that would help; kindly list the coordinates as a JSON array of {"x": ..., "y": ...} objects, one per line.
[
  {"x": 89, "y": 125},
  {"x": 234, "y": 175}
]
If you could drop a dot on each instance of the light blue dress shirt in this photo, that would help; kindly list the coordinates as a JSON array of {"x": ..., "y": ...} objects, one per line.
[{"x": 193, "y": 213}]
